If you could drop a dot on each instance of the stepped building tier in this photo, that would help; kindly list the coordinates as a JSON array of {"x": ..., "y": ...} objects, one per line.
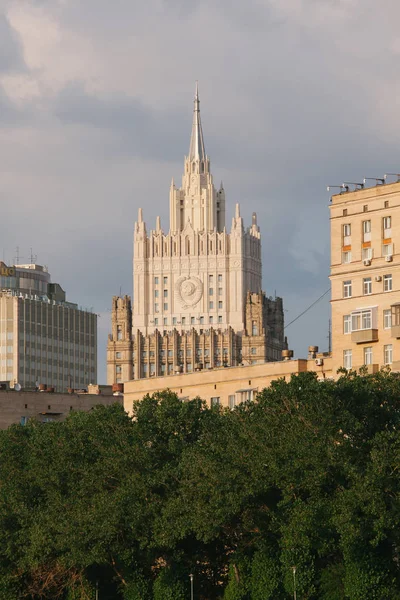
[{"x": 198, "y": 300}]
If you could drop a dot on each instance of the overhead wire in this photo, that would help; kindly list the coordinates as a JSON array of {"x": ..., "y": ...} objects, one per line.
[{"x": 308, "y": 308}]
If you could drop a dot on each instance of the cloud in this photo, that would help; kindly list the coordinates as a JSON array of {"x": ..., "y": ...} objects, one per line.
[
  {"x": 11, "y": 58},
  {"x": 95, "y": 115}
]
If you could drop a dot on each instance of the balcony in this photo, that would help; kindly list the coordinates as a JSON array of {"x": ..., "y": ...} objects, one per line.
[
  {"x": 363, "y": 336},
  {"x": 395, "y": 331}
]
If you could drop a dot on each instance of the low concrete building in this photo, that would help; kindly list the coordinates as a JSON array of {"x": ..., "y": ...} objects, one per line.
[
  {"x": 229, "y": 386},
  {"x": 19, "y": 407}
]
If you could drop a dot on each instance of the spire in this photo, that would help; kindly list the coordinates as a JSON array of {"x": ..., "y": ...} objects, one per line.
[
  {"x": 197, "y": 151},
  {"x": 140, "y": 215}
]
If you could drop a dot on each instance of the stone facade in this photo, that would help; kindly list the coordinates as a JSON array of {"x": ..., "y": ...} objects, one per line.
[
  {"x": 365, "y": 277},
  {"x": 227, "y": 387},
  {"x": 197, "y": 287}
]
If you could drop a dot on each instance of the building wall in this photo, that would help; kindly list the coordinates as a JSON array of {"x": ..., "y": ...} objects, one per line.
[
  {"x": 370, "y": 336},
  {"x": 164, "y": 352},
  {"x": 18, "y": 407},
  {"x": 230, "y": 385},
  {"x": 46, "y": 342}
]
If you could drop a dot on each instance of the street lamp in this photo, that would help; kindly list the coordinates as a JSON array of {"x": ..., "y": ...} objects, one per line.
[
  {"x": 191, "y": 586},
  {"x": 294, "y": 583},
  {"x": 97, "y": 590}
]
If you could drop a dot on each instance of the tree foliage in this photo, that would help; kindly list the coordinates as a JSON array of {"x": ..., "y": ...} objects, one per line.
[{"x": 307, "y": 476}]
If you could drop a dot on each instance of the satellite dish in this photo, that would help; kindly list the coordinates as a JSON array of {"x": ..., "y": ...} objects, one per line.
[{"x": 17, "y": 387}]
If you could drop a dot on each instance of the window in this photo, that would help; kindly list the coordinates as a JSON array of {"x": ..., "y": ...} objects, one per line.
[
  {"x": 386, "y": 204},
  {"x": 118, "y": 355},
  {"x": 387, "y": 249},
  {"x": 211, "y": 279},
  {"x": 347, "y": 324},
  {"x": 365, "y": 208},
  {"x": 367, "y": 286},
  {"x": 346, "y": 257},
  {"x": 215, "y": 401},
  {"x": 119, "y": 333},
  {"x": 361, "y": 319},
  {"x": 165, "y": 305},
  {"x": 211, "y": 305},
  {"x": 156, "y": 322},
  {"x": 387, "y": 319},
  {"x": 219, "y": 278},
  {"x": 345, "y": 212},
  {"x": 192, "y": 320},
  {"x": 346, "y": 289},
  {"x": 211, "y": 291},
  {"x": 367, "y": 253},
  {"x": 118, "y": 369},
  {"x": 170, "y": 353},
  {"x": 173, "y": 320},
  {"x": 165, "y": 321},
  {"x": 346, "y": 230},
  {"x": 368, "y": 355},
  {"x": 232, "y": 401},
  {"x": 254, "y": 328},
  {"x": 156, "y": 280},
  {"x": 165, "y": 293},
  {"x": 211, "y": 320},
  {"x": 253, "y": 350},
  {"x": 387, "y": 226},
  {"x": 188, "y": 353},
  {"x": 387, "y": 283},
  {"x": 155, "y": 293},
  {"x": 366, "y": 231},
  {"x": 220, "y": 291},
  {"x": 347, "y": 359},
  {"x": 388, "y": 354},
  {"x": 201, "y": 320},
  {"x": 183, "y": 320},
  {"x": 156, "y": 307},
  {"x": 219, "y": 319},
  {"x": 165, "y": 280}
]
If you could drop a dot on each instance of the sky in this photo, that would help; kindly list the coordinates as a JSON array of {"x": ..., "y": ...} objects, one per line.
[{"x": 96, "y": 101}]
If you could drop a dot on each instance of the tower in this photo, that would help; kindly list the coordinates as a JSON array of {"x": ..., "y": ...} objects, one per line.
[{"x": 192, "y": 282}]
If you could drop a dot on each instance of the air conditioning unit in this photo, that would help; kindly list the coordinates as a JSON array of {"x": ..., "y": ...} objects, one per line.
[
  {"x": 378, "y": 278},
  {"x": 319, "y": 362},
  {"x": 389, "y": 258},
  {"x": 367, "y": 262}
]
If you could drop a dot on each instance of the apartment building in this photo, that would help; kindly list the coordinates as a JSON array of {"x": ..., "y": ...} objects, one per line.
[{"x": 365, "y": 278}]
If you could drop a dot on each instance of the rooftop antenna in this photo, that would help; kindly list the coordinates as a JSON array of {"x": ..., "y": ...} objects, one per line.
[
  {"x": 33, "y": 258},
  {"x": 392, "y": 175},
  {"x": 379, "y": 180},
  {"x": 358, "y": 186},
  {"x": 17, "y": 256},
  {"x": 343, "y": 188}
]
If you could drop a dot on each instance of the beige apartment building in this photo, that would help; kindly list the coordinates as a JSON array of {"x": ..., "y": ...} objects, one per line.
[
  {"x": 228, "y": 387},
  {"x": 365, "y": 277}
]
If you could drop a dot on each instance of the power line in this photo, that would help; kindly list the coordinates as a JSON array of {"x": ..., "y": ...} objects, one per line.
[{"x": 308, "y": 308}]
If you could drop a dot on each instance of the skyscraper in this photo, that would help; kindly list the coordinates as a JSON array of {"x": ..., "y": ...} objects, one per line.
[{"x": 198, "y": 301}]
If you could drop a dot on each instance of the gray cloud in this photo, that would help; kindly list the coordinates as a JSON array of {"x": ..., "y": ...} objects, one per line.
[
  {"x": 294, "y": 96},
  {"x": 11, "y": 58}
]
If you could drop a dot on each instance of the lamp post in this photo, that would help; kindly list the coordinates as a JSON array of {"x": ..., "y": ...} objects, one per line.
[
  {"x": 191, "y": 586},
  {"x": 97, "y": 590},
  {"x": 294, "y": 583}
]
